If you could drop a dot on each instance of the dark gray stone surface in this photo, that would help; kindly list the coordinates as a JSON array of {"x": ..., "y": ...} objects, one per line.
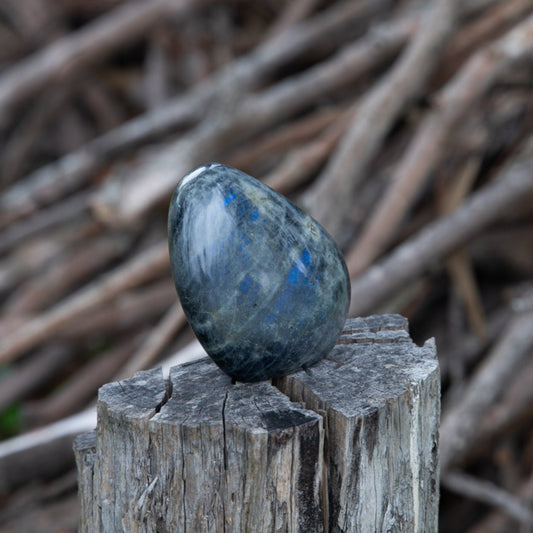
[{"x": 263, "y": 285}]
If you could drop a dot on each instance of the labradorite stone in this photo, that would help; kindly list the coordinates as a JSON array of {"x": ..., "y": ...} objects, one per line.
[{"x": 263, "y": 285}]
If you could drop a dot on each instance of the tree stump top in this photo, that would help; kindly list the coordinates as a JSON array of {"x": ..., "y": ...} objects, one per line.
[
  {"x": 348, "y": 445},
  {"x": 373, "y": 362}
]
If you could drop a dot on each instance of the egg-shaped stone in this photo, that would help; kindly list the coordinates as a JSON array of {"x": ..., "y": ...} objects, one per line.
[{"x": 263, "y": 285}]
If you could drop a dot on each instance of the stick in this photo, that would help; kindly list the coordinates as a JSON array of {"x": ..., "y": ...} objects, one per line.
[
  {"x": 460, "y": 424},
  {"x": 72, "y": 171},
  {"x": 138, "y": 270},
  {"x": 128, "y": 311},
  {"x": 62, "y": 276},
  {"x": 82, "y": 386},
  {"x": 488, "y": 493},
  {"x": 41, "y": 367},
  {"x": 277, "y": 142},
  {"x": 438, "y": 239},
  {"x": 18, "y": 149},
  {"x": 497, "y": 522},
  {"x": 374, "y": 118},
  {"x": 300, "y": 163},
  {"x": 496, "y": 20},
  {"x": 35, "y": 453},
  {"x": 426, "y": 150},
  {"x": 458, "y": 264},
  {"x": 237, "y": 121},
  {"x": 159, "y": 337},
  {"x": 61, "y": 60},
  {"x": 514, "y": 409}
]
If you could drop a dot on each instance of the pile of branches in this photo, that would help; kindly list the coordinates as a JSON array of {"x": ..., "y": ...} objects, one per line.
[{"x": 404, "y": 127}]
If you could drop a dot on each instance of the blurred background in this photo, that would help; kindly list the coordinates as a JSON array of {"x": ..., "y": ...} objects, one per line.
[{"x": 404, "y": 127}]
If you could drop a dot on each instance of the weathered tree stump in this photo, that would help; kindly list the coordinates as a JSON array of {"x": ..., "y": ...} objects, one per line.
[{"x": 350, "y": 445}]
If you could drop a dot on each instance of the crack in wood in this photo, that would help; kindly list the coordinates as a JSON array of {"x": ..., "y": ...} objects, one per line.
[
  {"x": 225, "y": 450},
  {"x": 225, "y": 456}
]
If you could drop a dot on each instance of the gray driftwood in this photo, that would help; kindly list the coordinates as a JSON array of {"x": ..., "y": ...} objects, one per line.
[{"x": 350, "y": 445}]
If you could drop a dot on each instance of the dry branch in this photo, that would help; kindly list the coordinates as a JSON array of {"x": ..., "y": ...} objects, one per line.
[
  {"x": 77, "y": 391},
  {"x": 458, "y": 264},
  {"x": 488, "y": 493},
  {"x": 459, "y": 425},
  {"x": 273, "y": 90},
  {"x": 330, "y": 197},
  {"x": 428, "y": 147},
  {"x": 138, "y": 270},
  {"x": 124, "y": 200},
  {"x": 43, "y": 452},
  {"x": 42, "y": 366},
  {"x": 61, "y": 60},
  {"x": 17, "y": 151},
  {"x": 514, "y": 410},
  {"x": 160, "y": 336},
  {"x": 127, "y": 311},
  {"x": 465, "y": 349},
  {"x": 497, "y": 522},
  {"x": 43, "y": 220},
  {"x": 57, "y": 280},
  {"x": 440, "y": 238},
  {"x": 490, "y": 25},
  {"x": 73, "y": 170},
  {"x": 291, "y": 14},
  {"x": 301, "y": 163},
  {"x": 277, "y": 142}
]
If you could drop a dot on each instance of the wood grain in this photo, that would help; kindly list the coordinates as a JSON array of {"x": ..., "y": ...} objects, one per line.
[{"x": 350, "y": 445}]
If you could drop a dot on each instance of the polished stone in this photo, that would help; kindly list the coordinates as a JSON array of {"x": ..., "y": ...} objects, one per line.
[{"x": 263, "y": 285}]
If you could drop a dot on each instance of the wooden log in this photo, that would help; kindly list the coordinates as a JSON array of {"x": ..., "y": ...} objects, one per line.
[
  {"x": 349, "y": 445},
  {"x": 379, "y": 395}
]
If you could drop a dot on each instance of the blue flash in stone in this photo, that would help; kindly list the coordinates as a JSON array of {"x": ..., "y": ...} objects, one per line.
[{"x": 263, "y": 285}]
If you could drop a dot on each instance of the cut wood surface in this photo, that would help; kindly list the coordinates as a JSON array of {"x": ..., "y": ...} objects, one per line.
[{"x": 349, "y": 445}]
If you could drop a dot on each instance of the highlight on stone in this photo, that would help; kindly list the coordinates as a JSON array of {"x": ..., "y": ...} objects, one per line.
[{"x": 263, "y": 285}]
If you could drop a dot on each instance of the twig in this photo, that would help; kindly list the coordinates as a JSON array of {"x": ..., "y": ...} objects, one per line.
[
  {"x": 458, "y": 264},
  {"x": 191, "y": 352},
  {"x": 514, "y": 409},
  {"x": 18, "y": 148},
  {"x": 34, "y": 448},
  {"x": 459, "y": 426},
  {"x": 156, "y": 82},
  {"x": 61, "y": 60},
  {"x": 300, "y": 163},
  {"x": 160, "y": 336},
  {"x": 30, "y": 258},
  {"x": 81, "y": 387},
  {"x": 488, "y": 493},
  {"x": 497, "y": 522},
  {"x": 46, "y": 450},
  {"x": 106, "y": 110},
  {"x": 374, "y": 118},
  {"x": 293, "y": 12},
  {"x": 120, "y": 203},
  {"x": 276, "y": 142},
  {"x": 51, "y": 513},
  {"x": 438, "y": 239},
  {"x": 140, "y": 269},
  {"x": 45, "y": 219},
  {"x": 495, "y": 21},
  {"x": 71, "y": 172},
  {"x": 425, "y": 151},
  {"x": 23, "y": 380},
  {"x": 459, "y": 351},
  {"x": 126, "y": 312},
  {"x": 82, "y": 263}
]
